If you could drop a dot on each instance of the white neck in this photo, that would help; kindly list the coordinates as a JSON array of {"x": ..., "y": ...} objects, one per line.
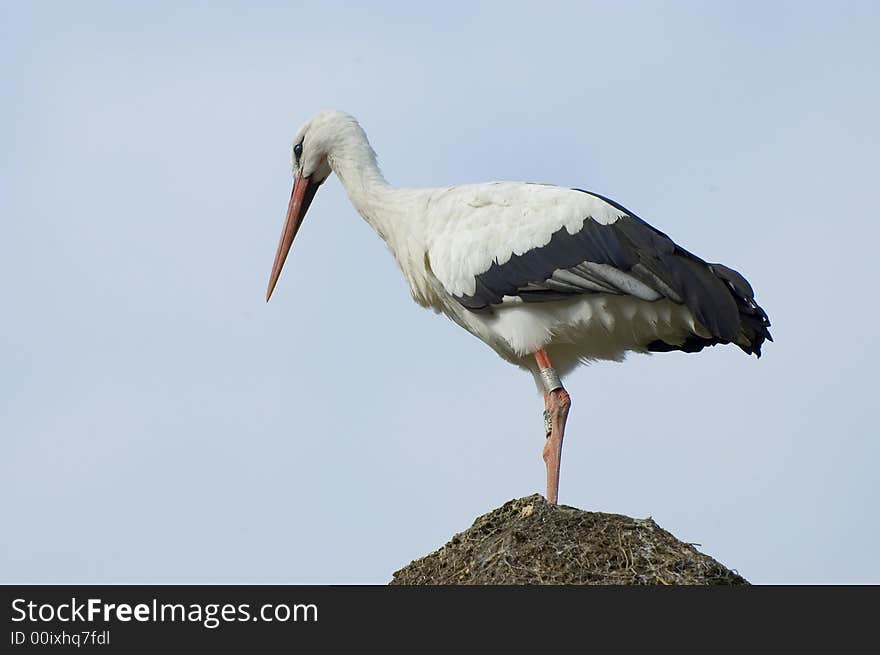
[
  {"x": 354, "y": 162},
  {"x": 391, "y": 212}
]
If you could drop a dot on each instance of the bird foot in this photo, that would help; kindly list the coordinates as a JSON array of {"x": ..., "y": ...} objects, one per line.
[{"x": 556, "y": 405}]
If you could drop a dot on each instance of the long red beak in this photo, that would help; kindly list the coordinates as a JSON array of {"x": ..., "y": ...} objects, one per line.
[{"x": 300, "y": 199}]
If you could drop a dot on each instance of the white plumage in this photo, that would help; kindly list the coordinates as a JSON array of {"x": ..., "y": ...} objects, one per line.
[{"x": 531, "y": 268}]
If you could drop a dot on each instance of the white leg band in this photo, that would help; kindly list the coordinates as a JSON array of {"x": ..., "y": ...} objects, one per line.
[{"x": 550, "y": 379}]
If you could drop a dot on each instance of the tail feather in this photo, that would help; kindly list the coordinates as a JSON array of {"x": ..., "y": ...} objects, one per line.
[
  {"x": 754, "y": 322},
  {"x": 750, "y": 326}
]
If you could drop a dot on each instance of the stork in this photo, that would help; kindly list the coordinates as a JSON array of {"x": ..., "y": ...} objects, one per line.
[{"x": 548, "y": 277}]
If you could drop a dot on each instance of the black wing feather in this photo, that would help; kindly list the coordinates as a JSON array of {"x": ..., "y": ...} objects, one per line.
[{"x": 720, "y": 298}]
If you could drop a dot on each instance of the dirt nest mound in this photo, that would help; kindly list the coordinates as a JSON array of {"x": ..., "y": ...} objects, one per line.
[{"x": 527, "y": 541}]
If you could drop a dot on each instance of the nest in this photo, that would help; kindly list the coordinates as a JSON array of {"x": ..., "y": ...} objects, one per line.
[{"x": 527, "y": 541}]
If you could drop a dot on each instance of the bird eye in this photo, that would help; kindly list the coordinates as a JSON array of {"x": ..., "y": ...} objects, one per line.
[{"x": 298, "y": 150}]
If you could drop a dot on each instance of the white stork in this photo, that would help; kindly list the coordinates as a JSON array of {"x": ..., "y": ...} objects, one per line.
[{"x": 548, "y": 277}]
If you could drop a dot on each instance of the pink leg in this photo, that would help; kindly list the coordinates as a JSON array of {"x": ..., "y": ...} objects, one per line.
[{"x": 556, "y": 405}]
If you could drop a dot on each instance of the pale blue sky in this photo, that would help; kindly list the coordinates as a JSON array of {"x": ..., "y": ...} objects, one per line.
[{"x": 160, "y": 422}]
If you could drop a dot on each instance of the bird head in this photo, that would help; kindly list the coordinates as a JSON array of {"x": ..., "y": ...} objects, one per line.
[{"x": 313, "y": 147}]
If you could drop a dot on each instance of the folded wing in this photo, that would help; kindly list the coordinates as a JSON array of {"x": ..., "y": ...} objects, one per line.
[{"x": 604, "y": 250}]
